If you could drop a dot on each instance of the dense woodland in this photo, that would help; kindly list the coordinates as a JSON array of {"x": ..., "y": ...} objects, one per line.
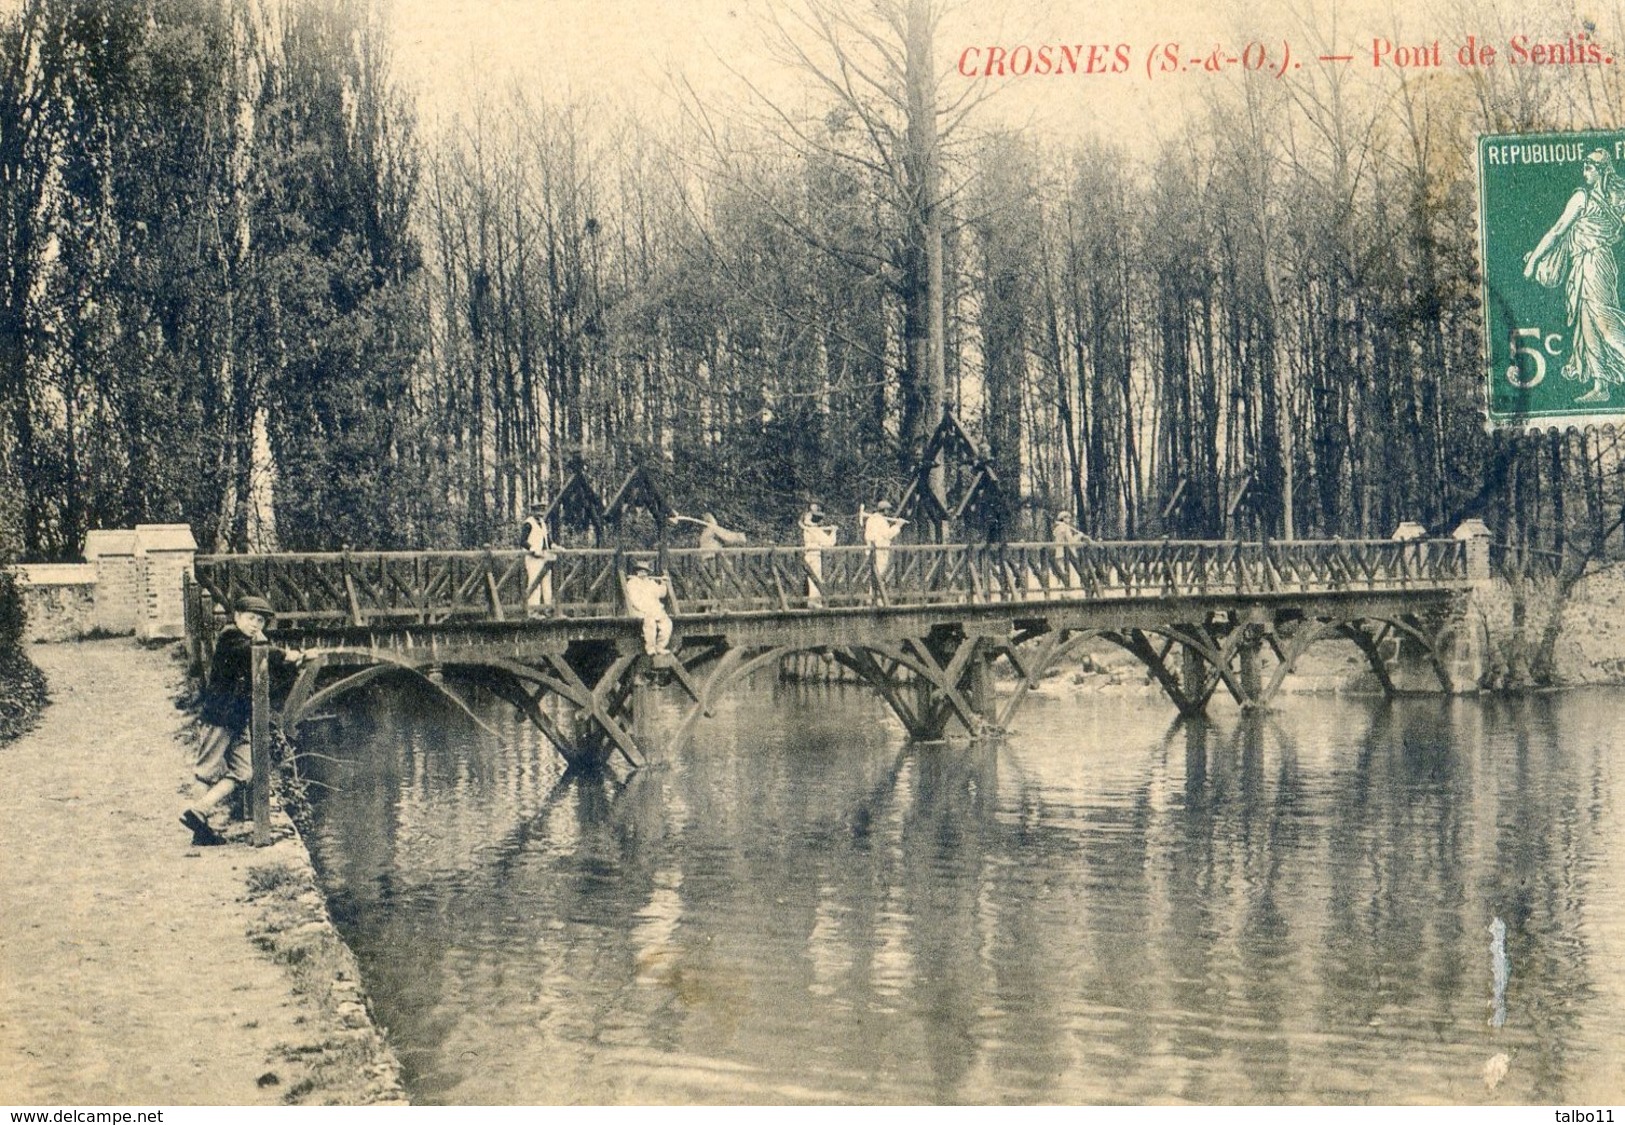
[{"x": 243, "y": 289}]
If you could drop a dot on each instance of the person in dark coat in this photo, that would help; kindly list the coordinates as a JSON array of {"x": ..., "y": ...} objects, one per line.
[
  {"x": 223, "y": 759},
  {"x": 537, "y": 543}
]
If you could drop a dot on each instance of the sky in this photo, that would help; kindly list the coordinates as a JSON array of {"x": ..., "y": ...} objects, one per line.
[{"x": 1159, "y": 57}]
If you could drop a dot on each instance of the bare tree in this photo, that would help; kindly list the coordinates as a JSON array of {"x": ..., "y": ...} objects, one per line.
[{"x": 879, "y": 109}]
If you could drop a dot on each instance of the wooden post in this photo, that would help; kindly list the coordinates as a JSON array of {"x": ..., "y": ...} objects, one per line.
[
  {"x": 1252, "y": 684},
  {"x": 194, "y": 619},
  {"x": 642, "y": 698},
  {"x": 981, "y": 684},
  {"x": 1192, "y": 673},
  {"x": 259, "y": 790}
]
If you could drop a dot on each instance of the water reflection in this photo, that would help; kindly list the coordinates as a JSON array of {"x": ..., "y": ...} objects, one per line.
[{"x": 1105, "y": 908}]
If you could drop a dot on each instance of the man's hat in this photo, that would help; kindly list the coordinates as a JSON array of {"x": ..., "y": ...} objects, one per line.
[
  {"x": 641, "y": 567},
  {"x": 1063, "y": 517},
  {"x": 883, "y": 506},
  {"x": 539, "y": 506},
  {"x": 252, "y": 603}
]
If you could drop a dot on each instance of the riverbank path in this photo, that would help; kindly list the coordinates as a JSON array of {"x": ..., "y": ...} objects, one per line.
[{"x": 127, "y": 976}]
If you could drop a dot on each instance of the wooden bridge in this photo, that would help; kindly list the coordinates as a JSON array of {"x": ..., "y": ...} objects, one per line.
[{"x": 924, "y": 625}]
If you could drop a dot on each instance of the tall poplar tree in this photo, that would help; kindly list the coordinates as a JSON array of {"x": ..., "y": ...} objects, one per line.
[{"x": 335, "y": 260}]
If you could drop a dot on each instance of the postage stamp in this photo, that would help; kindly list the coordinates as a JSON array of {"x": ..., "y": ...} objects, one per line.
[{"x": 1551, "y": 217}]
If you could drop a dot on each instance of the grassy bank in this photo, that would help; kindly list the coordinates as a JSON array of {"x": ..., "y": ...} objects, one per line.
[
  {"x": 23, "y": 693},
  {"x": 1544, "y": 633}
]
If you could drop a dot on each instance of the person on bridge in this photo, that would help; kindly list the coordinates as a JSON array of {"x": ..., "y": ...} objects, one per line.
[
  {"x": 537, "y": 544},
  {"x": 713, "y": 536},
  {"x": 646, "y": 595},
  {"x": 880, "y": 528},
  {"x": 1065, "y": 534},
  {"x": 223, "y": 759},
  {"x": 816, "y": 534}
]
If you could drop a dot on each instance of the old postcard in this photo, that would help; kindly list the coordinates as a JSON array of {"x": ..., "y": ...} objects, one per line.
[{"x": 816, "y": 552}]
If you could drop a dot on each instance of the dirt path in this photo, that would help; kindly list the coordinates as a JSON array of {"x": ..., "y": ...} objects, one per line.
[{"x": 127, "y": 971}]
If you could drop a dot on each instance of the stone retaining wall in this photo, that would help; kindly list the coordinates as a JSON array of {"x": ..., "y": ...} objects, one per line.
[
  {"x": 130, "y": 582},
  {"x": 60, "y": 599}
]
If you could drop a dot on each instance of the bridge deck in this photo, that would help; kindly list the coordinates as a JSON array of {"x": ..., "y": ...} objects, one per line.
[
  {"x": 921, "y": 624},
  {"x": 582, "y": 589}
]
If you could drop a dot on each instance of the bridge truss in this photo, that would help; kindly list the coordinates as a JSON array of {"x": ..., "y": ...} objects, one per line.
[{"x": 950, "y": 636}]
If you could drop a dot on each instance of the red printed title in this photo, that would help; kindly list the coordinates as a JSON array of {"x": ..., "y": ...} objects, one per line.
[{"x": 1278, "y": 57}]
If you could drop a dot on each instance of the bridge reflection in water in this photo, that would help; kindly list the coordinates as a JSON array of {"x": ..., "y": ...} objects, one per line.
[
  {"x": 1287, "y": 907},
  {"x": 923, "y": 625}
]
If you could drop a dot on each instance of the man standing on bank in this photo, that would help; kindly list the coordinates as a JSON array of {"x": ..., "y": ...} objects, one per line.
[{"x": 223, "y": 760}]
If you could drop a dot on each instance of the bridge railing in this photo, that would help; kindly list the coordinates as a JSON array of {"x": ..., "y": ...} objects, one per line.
[
  {"x": 378, "y": 587},
  {"x": 429, "y": 587},
  {"x": 1175, "y": 568}
]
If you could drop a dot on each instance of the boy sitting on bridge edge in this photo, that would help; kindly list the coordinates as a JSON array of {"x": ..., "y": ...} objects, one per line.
[{"x": 646, "y": 596}]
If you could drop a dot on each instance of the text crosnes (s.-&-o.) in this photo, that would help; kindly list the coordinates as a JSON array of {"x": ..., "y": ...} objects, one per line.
[{"x": 1163, "y": 58}]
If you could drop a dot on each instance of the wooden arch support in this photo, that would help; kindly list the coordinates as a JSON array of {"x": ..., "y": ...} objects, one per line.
[
  {"x": 1368, "y": 634},
  {"x": 602, "y": 720},
  {"x": 930, "y": 681},
  {"x": 1220, "y": 654},
  {"x": 1302, "y": 639},
  {"x": 600, "y": 698},
  {"x": 304, "y": 698},
  {"x": 941, "y": 687},
  {"x": 1049, "y": 649},
  {"x": 1211, "y": 659},
  {"x": 1189, "y": 691}
]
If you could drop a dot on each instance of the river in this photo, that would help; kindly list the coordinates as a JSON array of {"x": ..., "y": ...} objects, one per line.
[{"x": 1345, "y": 901}]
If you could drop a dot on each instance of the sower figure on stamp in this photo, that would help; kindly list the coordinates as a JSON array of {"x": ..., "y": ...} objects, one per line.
[
  {"x": 537, "y": 544},
  {"x": 1578, "y": 254},
  {"x": 223, "y": 760},
  {"x": 646, "y": 595}
]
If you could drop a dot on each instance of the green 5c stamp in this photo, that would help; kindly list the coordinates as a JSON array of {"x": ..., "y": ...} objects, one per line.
[{"x": 1551, "y": 220}]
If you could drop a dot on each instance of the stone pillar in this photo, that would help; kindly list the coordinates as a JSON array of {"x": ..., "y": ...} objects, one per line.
[
  {"x": 1466, "y": 649},
  {"x": 1407, "y": 531},
  {"x": 112, "y": 553},
  {"x": 163, "y": 553},
  {"x": 1477, "y": 536}
]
